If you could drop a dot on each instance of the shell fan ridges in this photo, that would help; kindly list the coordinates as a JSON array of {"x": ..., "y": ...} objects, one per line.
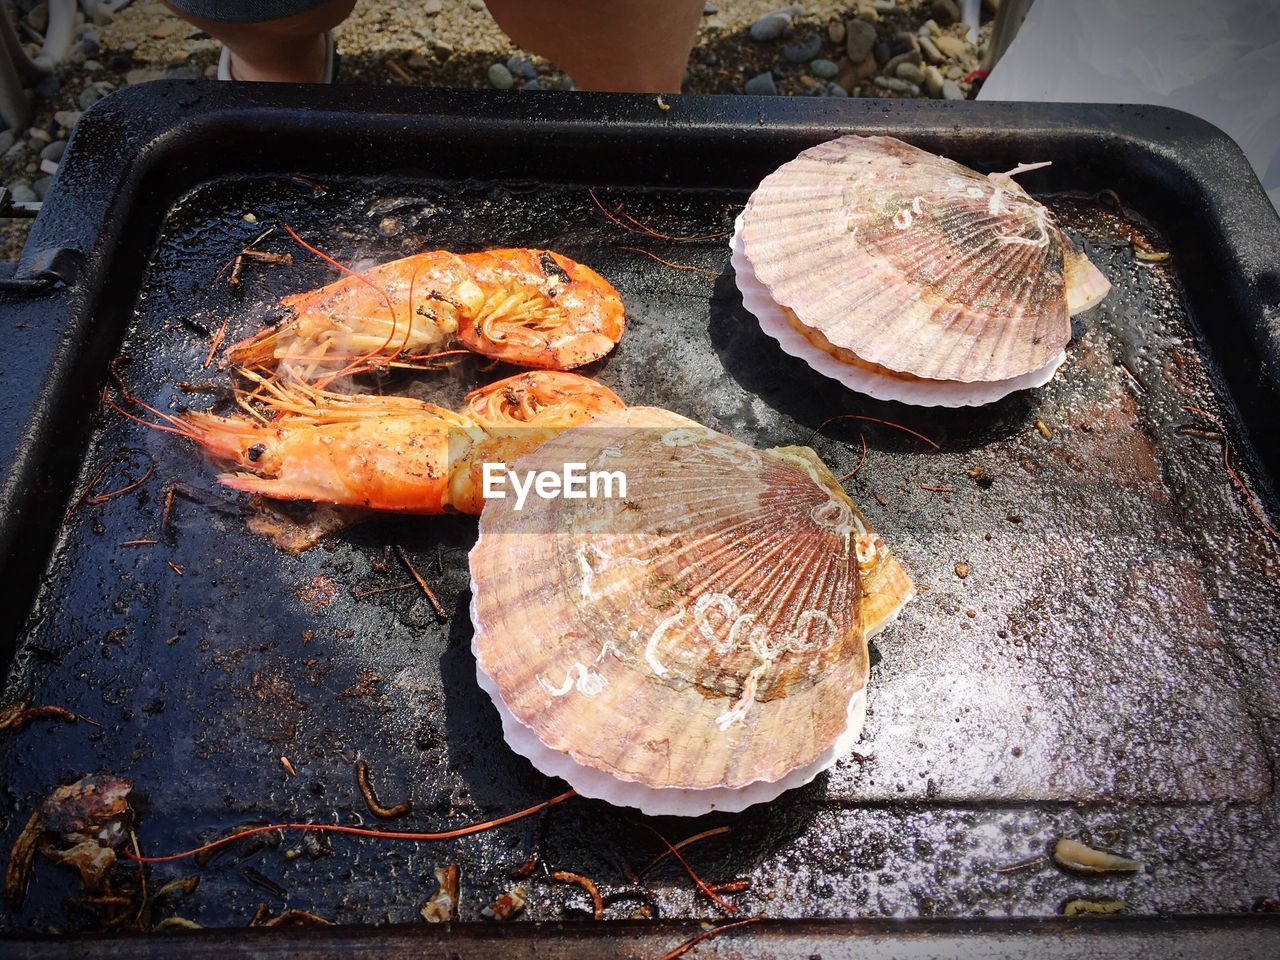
[
  {"x": 911, "y": 262},
  {"x": 702, "y": 635}
]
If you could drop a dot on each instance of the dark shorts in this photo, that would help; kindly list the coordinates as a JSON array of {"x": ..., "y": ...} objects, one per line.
[{"x": 246, "y": 11}]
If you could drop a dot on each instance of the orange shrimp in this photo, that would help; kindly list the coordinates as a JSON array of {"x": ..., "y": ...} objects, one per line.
[
  {"x": 389, "y": 453},
  {"x": 532, "y": 308}
]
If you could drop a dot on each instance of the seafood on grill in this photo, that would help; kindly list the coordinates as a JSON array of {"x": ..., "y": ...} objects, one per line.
[
  {"x": 79, "y": 825},
  {"x": 531, "y": 308},
  {"x": 909, "y": 277},
  {"x": 389, "y": 453},
  {"x": 697, "y": 644}
]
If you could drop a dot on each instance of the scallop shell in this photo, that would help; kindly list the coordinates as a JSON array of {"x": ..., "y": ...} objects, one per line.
[
  {"x": 779, "y": 323},
  {"x": 912, "y": 262},
  {"x": 697, "y": 644}
]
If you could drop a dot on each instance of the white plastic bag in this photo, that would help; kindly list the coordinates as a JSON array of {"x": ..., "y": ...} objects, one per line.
[{"x": 1218, "y": 59}]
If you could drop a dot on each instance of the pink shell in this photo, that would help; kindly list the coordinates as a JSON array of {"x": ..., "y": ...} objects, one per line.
[
  {"x": 924, "y": 393},
  {"x": 912, "y": 262},
  {"x": 695, "y": 645}
]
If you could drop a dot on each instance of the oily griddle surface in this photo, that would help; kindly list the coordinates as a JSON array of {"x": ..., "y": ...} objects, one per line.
[{"x": 1106, "y": 669}]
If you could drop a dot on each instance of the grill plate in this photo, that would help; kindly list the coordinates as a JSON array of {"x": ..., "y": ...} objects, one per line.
[{"x": 1107, "y": 669}]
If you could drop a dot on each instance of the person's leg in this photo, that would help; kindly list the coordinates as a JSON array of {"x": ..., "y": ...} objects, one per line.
[
  {"x": 288, "y": 49},
  {"x": 640, "y": 46}
]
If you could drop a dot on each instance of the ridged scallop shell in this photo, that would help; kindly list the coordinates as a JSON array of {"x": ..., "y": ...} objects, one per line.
[
  {"x": 911, "y": 262},
  {"x": 780, "y": 324},
  {"x": 697, "y": 644}
]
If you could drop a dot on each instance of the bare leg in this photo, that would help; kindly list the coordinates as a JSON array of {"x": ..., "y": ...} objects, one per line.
[
  {"x": 288, "y": 50},
  {"x": 641, "y": 46}
]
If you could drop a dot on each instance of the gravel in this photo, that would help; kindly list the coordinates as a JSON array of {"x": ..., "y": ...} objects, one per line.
[
  {"x": 933, "y": 82},
  {"x": 53, "y": 151},
  {"x": 860, "y": 37},
  {"x": 522, "y": 67},
  {"x": 755, "y": 46},
  {"x": 909, "y": 56},
  {"x": 824, "y": 69},
  {"x": 762, "y": 84},
  {"x": 952, "y": 46},
  {"x": 500, "y": 77},
  {"x": 38, "y": 17},
  {"x": 909, "y": 71},
  {"x": 946, "y": 11},
  {"x": 802, "y": 50},
  {"x": 90, "y": 95},
  {"x": 930, "y": 50},
  {"x": 897, "y": 86},
  {"x": 142, "y": 75},
  {"x": 771, "y": 27}
]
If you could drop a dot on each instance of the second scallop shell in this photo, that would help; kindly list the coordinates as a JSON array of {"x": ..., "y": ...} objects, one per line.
[
  {"x": 909, "y": 267},
  {"x": 697, "y": 644}
]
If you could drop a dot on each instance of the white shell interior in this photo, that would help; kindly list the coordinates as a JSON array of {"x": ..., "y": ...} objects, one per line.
[
  {"x": 597, "y": 784},
  {"x": 924, "y": 393}
]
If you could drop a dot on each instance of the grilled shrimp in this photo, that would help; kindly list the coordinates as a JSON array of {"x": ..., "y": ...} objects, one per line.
[
  {"x": 391, "y": 453},
  {"x": 532, "y": 308}
]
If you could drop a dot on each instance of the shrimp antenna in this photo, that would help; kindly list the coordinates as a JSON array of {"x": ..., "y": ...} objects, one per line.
[{"x": 171, "y": 423}]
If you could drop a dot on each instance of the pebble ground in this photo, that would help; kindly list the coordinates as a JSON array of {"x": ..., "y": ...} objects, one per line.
[{"x": 881, "y": 48}]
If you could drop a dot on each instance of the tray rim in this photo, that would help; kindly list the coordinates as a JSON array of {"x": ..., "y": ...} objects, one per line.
[{"x": 1106, "y": 938}]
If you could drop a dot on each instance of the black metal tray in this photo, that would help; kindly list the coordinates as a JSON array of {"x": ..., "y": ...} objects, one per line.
[{"x": 1107, "y": 669}]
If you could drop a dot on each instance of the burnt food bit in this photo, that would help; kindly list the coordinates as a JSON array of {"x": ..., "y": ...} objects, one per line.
[{"x": 552, "y": 269}]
